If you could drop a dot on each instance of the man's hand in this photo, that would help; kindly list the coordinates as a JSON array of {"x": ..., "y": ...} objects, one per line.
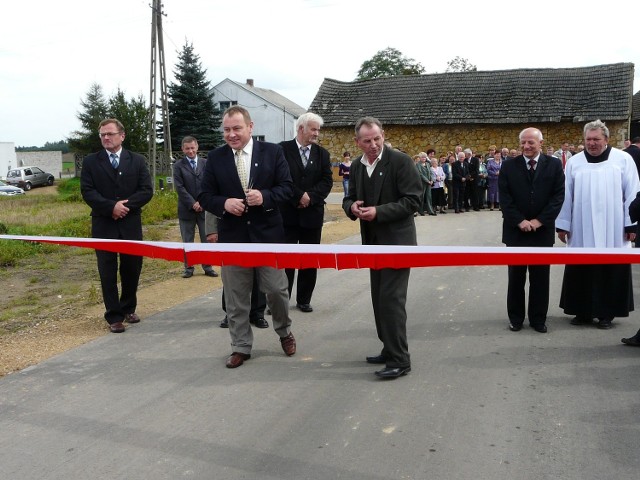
[
  {"x": 305, "y": 201},
  {"x": 563, "y": 236},
  {"x": 254, "y": 198},
  {"x": 631, "y": 236},
  {"x": 120, "y": 210},
  {"x": 212, "y": 238},
  {"x": 196, "y": 207},
  {"x": 535, "y": 224},
  {"x": 363, "y": 213},
  {"x": 235, "y": 206}
]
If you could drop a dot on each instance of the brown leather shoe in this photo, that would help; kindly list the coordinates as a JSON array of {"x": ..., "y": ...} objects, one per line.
[
  {"x": 131, "y": 318},
  {"x": 236, "y": 359},
  {"x": 288, "y": 344},
  {"x": 117, "y": 327}
]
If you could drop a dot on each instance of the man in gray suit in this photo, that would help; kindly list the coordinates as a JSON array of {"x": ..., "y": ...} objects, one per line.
[
  {"x": 187, "y": 176},
  {"x": 384, "y": 193}
]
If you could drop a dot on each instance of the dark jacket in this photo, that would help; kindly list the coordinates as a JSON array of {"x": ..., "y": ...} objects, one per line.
[
  {"x": 316, "y": 179},
  {"x": 397, "y": 192},
  {"x": 524, "y": 199},
  {"x": 269, "y": 173},
  {"x": 102, "y": 187},
  {"x": 187, "y": 184}
]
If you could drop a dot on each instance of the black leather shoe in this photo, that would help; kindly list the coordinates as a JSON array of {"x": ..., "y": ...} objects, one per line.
[
  {"x": 211, "y": 273},
  {"x": 515, "y": 328},
  {"x": 187, "y": 274},
  {"x": 259, "y": 323},
  {"x": 577, "y": 320},
  {"x": 392, "y": 372},
  {"x": 540, "y": 328},
  {"x": 225, "y": 322},
  {"x": 605, "y": 323},
  {"x": 631, "y": 341},
  {"x": 304, "y": 307},
  {"x": 377, "y": 359}
]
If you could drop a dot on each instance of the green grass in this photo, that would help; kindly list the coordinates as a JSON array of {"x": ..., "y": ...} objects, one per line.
[{"x": 65, "y": 215}]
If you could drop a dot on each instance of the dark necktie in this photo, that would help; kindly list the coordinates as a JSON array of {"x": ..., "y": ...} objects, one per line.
[
  {"x": 114, "y": 160},
  {"x": 303, "y": 155},
  {"x": 193, "y": 164},
  {"x": 532, "y": 168}
]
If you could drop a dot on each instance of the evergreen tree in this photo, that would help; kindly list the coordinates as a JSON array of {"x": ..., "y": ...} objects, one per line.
[
  {"x": 95, "y": 110},
  {"x": 192, "y": 110},
  {"x": 134, "y": 116}
]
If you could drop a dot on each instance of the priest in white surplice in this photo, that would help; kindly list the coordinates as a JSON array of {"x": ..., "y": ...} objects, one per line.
[{"x": 601, "y": 183}]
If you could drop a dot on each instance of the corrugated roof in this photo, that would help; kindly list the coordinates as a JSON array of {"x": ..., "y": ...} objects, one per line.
[{"x": 500, "y": 96}]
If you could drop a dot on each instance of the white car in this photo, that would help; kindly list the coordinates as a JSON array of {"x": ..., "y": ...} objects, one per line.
[{"x": 9, "y": 190}]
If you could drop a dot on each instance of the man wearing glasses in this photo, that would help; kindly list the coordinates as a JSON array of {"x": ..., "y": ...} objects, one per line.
[{"x": 116, "y": 184}]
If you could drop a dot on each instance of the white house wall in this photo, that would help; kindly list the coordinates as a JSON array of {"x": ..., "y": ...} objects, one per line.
[{"x": 269, "y": 120}]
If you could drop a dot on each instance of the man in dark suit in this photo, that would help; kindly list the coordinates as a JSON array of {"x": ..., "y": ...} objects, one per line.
[
  {"x": 471, "y": 188},
  {"x": 187, "y": 176},
  {"x": 384, "y": 193},
  {"x": 303, "y": 213},
  {"x": 634, "y": 151},
  {"x": 243, "y": 183},
  {"x": 531, "y": 190},
  {"x": 116, "y": 184},
  {"x": 460, "y": 175}
]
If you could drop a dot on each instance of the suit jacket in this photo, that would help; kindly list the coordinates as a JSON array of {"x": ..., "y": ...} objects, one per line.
[
  {"x": 102, "y": 186},
  {"x": 187, "y": 183},
  {"x": 634, "y": 151},
  {"x": 269, "y": 173},
  {"x": 397, "y": 193},
  {"x": 524, "y": 199},
  {"x": 316, "y": 179},
  {"x": 459, "y": 170}
]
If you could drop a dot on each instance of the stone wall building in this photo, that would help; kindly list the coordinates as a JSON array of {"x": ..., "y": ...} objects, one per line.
[{"x": 478, "y": 109}]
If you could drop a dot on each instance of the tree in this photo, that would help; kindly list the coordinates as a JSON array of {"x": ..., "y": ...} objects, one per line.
[
  {"x": 192, "y": 110},
  {"x": 459, "y": 64},
  {"x": 95, "y": 110},
  {"x": 388, "y": 63},
  {"x": 134, "y": 115}
]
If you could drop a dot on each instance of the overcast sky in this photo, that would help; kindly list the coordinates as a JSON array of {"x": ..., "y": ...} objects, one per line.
[{"x": 51, "y": 52}]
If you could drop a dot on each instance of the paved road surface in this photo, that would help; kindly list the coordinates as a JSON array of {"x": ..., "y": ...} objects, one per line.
[{"x": 481, "y": 402}]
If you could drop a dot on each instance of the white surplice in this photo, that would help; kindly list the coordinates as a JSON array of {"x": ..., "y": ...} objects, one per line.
[{"x": 596, "y": 202}]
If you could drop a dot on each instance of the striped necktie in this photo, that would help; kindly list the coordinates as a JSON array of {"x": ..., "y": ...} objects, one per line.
[{"x": 114, "y": 160}]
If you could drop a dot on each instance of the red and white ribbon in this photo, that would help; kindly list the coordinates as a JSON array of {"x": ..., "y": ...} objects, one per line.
[{"x": 346, "y": 256}]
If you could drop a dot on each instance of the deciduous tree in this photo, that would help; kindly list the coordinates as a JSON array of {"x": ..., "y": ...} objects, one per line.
[
  {"x": 388, "y": 63},
  {"x": 460, "y": 64}
]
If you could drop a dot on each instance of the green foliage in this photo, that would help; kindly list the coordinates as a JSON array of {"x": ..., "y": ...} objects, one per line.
[
  {"x": 389, "y": 62},
  {"x": 11, "y": 251},
  {"x": 69, "y": 190},
  {"x": 460, "y": 64},
  {"x": 60, "y": 145},
  {"x": 134, "y": 115},
  {"x": 191, "y": 107},
  {"x": 163, "y": 206},
  {"x": 95, "y": 109}
]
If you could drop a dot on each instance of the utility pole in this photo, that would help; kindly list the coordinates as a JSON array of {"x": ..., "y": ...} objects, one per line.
[{"x": 157, "y": 52}]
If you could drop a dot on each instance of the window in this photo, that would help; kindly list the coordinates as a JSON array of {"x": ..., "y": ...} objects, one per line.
[
  {"x": 258, "y": 138},
  {"x": 225, "y": 105}
]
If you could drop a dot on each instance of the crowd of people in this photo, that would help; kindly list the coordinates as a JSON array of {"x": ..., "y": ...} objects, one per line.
[{"x": 259, "y": 192}]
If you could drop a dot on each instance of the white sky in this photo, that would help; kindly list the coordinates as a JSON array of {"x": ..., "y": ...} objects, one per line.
[{"x": 51, "y": 52}]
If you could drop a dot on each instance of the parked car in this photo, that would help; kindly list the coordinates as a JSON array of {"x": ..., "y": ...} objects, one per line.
[
  {"x": 9, "y": 190},
  {"x": 27, "y": 177}
]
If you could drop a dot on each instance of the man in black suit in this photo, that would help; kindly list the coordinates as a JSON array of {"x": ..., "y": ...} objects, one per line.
[
  {"x": 471, "y": 188},
  {"x": 531, "y": 190},
  {"x": 460, "y": 175},
  {"x": 187, "y": 176},
  {"x": 634, "y": 151},
  {"x": 243, "y": 183},
  {"x": 384, "y": 193},
  {"x": 303, "y": 213},
  {"x": 116, "y": 184}
]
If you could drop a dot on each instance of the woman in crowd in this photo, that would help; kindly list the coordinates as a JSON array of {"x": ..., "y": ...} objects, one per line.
[
  {"x": 437, "y": 189},
  {"x": 343, "y": 171},
  {"x": 493, "y": 170}
]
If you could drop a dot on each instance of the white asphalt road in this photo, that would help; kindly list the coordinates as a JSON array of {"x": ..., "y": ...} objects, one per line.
[{"x": 481, "y": 402}]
